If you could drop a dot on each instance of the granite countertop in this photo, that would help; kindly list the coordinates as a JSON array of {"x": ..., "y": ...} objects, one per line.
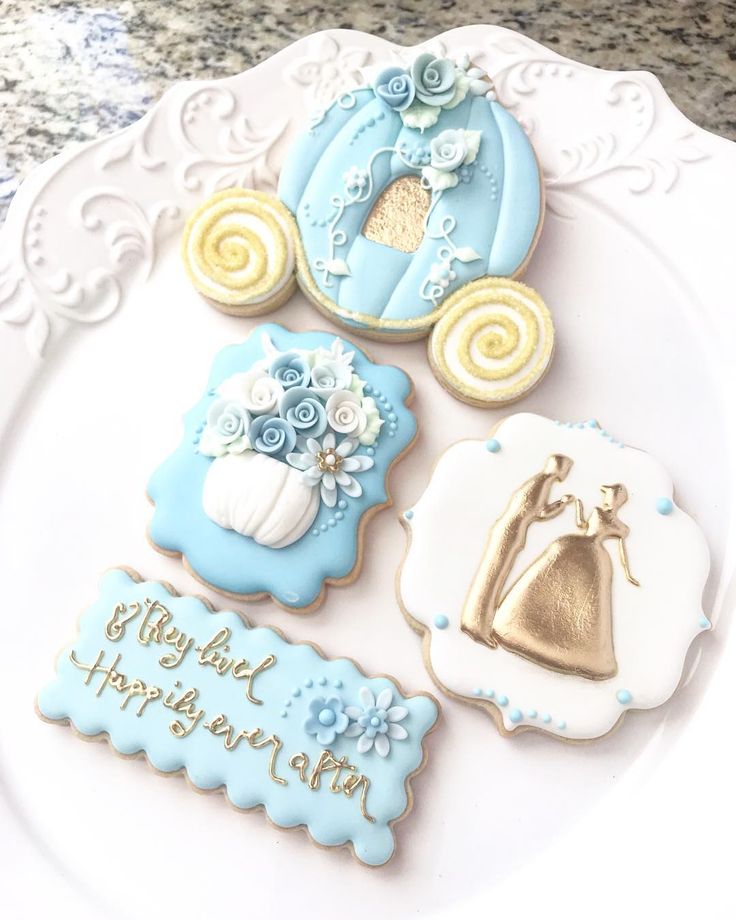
[{"x": 69, "y": 72}]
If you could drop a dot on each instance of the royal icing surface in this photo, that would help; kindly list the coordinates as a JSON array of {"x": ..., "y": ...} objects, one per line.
[
  {"x": 289, "y": 447},
  {"x": 494, "y": 343},
  {"x": 313, "y": 740},
  {"x": 238, "y": 249},
  {"x": 438, "y": 123},
  {"x": 555, "y": 576}
]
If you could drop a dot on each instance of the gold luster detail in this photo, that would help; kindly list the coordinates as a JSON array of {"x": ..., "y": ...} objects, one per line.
[
  {"x": 501, "y": 322},
  {"x": 558, "y": 613},
  {"x": 237, "y": 247},
  {"x": 329, "y": 460},
  {"x": 397, "y": 217},
  {"x": 327, "y": 762}
]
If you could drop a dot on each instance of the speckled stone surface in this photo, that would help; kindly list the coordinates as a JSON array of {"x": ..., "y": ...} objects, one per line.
[{"x": 70, "y": 71}]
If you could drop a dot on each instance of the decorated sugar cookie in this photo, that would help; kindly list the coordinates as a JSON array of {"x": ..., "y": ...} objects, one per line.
[
  {"x": 238, "y": 248},
  {"x": 408, "y": 203},
  {"x": 269, "y": 722},
  {"x": 555, "y": 581},
  {"x": 282, "y": 462}
]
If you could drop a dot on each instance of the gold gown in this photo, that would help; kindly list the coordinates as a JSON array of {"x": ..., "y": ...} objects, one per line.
[{"x": 558, "y": 612}]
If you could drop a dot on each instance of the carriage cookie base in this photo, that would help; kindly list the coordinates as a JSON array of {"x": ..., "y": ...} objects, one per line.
[
  {"x": 411, "y": 202},
  {"x": 451, "y": 310}
]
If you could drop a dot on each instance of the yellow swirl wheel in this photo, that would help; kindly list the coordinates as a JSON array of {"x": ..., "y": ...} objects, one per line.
[
  {"x": 239, "y": 251},
  {"x": 493, "y": 343}
]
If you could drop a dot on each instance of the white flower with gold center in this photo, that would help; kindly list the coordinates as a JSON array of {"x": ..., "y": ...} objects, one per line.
[{"x": 331, "y": 466}]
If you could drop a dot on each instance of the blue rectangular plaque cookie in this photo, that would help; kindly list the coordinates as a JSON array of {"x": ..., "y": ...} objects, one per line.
[{"x": 273, "y": 723}]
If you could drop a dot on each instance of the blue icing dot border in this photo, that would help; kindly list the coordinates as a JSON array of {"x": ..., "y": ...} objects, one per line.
[
  {"x": 516, "y": 714},
  {"x": 592, "y": 424},
  {"x": 294, "y": 576}
]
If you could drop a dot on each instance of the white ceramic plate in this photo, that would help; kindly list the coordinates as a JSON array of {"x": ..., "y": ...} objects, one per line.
[{"x": 635, "y": 261}]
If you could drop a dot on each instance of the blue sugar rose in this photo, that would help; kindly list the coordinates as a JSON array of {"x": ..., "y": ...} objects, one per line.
[
  {"x": 290, "y": 369},
  {"x": 394, "y": 86},
  {"x": 226, "y": 431},
  {"x": 304, "y": 412},
  {"x": 434, "y": 79},
  {"x": 272, "y": 436}
]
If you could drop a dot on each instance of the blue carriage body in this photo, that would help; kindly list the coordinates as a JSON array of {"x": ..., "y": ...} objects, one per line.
[{"x": 492, "y": 214}]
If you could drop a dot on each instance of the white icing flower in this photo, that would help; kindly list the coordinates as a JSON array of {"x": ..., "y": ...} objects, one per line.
[
  {"x": 441, "y": 274},
  {"x": 355, "y": 179},
  {"x": 476, "y": 79},
  {"x": 330, "y": 467},
  {"x": 329, "y": 375},
  {"x": 450, "y": 150},
  {"x": 345, "y": 414},
  {"x": 373, "y": 421},
  {"x": 258, "y": 392},
  {"x": 336, "y": 352},
  {"x": 376, "y": 722}
]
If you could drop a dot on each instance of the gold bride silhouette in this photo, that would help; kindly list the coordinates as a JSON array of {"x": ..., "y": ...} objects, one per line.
[{"x": 558, "y": 612}]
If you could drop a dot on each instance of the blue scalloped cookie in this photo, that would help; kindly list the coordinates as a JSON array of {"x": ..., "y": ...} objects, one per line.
[{"x": 281, "y": 462}]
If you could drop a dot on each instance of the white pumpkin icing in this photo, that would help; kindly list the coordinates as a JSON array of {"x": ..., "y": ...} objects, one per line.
[{"x": 259, "y": 497}]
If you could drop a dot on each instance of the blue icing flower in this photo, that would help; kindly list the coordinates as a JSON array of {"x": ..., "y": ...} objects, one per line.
[
  {"x": 272, "y": 436},
  {"x": 395, "y": 87},
  {"x": 304, "y": 412},
  {"x": 227, "y": 429},
  {"x": 434, "y": 79},
  {"x": 376, "y": 723},
  {"x": 326, "y": 720},
  {"x": 290, "y": 369}
]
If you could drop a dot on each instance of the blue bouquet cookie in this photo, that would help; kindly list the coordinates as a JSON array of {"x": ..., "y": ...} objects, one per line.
[{"x": 281, "y": 462}]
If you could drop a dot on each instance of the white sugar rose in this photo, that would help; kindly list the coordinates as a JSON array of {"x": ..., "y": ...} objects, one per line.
[
  {"x": 448, "y": 149},
  {"x": 328, "y": 376},
  {"x": 373, "y": 422},
  {"x": 454, "y": 147},
  {"x": 256, "y": 390},
  {"x": 346, "y": 415}
]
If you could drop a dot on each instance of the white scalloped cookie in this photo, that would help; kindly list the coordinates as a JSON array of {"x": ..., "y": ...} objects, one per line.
[{"x": 556, "y": 583}]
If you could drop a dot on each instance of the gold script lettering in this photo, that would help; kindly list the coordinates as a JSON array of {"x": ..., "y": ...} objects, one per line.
[
  {"x": 219, "y": 725},
  {"x": 326, "y": 762}
]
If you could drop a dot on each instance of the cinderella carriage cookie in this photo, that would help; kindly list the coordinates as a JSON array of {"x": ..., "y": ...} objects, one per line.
[{"x": 408, "y": 207}]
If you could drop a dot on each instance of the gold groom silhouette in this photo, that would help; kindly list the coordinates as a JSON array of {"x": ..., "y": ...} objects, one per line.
[{"x": 529, "y": 503}]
